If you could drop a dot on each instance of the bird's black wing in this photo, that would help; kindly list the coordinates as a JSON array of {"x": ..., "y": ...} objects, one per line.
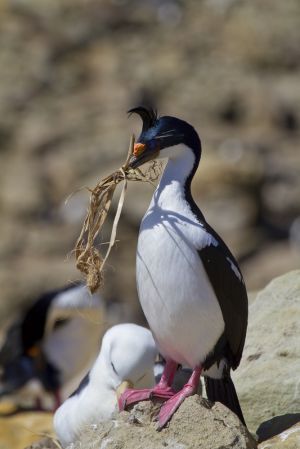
[{"x": 228, "y": 284}]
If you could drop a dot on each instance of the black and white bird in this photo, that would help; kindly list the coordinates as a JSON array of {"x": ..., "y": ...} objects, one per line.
[
  {"x": 127, "y": 357},
  {"x": 189, "y": 284},
  {"x": 55, "y": 341}
]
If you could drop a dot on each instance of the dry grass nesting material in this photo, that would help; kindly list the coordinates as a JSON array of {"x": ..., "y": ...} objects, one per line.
[{"x": 88, "y": 257}]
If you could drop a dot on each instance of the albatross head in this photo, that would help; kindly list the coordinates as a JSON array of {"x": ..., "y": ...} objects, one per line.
[{"x": 127, "y": 358}]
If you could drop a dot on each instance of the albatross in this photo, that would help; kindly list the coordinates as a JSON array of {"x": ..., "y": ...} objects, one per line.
[{"x": 126, "y": 357}]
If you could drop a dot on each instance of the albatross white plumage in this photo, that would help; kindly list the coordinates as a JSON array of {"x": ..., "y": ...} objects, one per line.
[{"x": 127, "y": 355}]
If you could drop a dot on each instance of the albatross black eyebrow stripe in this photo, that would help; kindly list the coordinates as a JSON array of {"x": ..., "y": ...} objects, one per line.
[{"x": 113, "y": 367}]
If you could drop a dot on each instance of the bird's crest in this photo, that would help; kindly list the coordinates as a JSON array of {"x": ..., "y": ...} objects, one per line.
[{"x": 148, "y": 116}]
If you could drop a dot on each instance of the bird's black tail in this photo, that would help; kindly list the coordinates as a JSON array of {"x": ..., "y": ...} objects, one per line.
[{"x": 223, "y": 390}]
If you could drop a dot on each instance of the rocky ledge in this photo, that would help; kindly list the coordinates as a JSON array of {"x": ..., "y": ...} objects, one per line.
[
  {"x": 267, "y": 380},
  {"x": 198, "y": 424}
]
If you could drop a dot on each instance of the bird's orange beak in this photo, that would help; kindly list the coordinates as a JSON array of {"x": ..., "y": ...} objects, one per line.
[
  {"x": 143, "y": 153},
  {"x": 138, "y": 149}
]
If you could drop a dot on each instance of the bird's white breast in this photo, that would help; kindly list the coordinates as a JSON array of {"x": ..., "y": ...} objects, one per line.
[
  {"x": 94, "y": 404},
  {"x": 175, "y": 293}
]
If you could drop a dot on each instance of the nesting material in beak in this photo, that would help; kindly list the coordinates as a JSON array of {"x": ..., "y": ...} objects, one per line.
[
  {"x": 89, "y": 260},
  {"x": 125, "y": 385}
]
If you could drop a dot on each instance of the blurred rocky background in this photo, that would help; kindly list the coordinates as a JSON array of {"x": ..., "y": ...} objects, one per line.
[{"x": 69, "y": 72}]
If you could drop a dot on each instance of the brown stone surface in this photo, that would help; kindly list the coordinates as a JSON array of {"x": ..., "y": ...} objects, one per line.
[
  {"x": 196, "y": 425},
  {"x": 267, "y": 379},
  {"x": 288, "y": 439}
]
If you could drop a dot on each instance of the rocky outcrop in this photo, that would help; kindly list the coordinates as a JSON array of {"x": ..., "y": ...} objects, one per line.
[
  {"x": 267, "y": 379},
  {"x": 288, "y": 439},
  {"x": 197, "y": 424}
]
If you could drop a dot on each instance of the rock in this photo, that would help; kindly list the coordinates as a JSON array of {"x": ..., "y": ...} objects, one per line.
[
  {"x": 196, "y": 425},
  {"x": 278, "y": 425},
  {"x": 22, "y": 429},
  {"x": 289, "y": 439},
  {"x": 267, "y": 379}
]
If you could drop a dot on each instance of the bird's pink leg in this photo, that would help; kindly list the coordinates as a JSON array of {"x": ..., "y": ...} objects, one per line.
[
  {"x": 169, "y": 408},
  {"x": 163, "y": 390}
]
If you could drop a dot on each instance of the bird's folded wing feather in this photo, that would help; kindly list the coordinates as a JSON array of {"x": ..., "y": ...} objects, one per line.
[{"x": 228, "y": 284}]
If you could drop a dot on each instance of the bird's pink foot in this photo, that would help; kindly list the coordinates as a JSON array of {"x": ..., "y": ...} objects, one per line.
[
  {"x": 162, "y": 390},
  {"x": 169, "y": 408},
  {"x": 131, "y": 396}
]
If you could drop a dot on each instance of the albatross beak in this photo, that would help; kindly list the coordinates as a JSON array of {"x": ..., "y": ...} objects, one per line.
[
  {"x": 122, "y": 387},
  {"x": 143, "y": 153}
]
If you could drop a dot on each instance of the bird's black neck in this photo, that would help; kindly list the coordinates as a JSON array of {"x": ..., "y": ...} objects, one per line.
[{"x": 188, "y": 189}]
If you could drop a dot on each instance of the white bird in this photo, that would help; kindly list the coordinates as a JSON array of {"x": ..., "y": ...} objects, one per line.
[{"x": 126, "y": 358}]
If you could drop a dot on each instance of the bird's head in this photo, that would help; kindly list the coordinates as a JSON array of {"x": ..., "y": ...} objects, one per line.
[{"x": 162, "y": 137}]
